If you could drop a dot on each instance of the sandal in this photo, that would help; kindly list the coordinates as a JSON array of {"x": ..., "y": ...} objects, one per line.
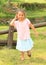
[{"x": 29, "y": 55}]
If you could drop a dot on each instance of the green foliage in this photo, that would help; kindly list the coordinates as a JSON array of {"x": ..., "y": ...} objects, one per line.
[
  {"x": 34, "y": 10},
  {"x": 16, "y": 0},
  {"x": 32, "y": 6}
]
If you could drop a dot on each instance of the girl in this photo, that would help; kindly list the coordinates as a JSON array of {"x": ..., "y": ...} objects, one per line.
[{"x": 22, "y": 24}]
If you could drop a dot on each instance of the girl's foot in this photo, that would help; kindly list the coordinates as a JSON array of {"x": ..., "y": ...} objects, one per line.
[
  {"x": 28, "y": 53},
  {"x": 22, "y": 58}
]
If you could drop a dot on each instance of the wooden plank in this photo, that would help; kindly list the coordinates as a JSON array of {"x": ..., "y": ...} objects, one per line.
[
  {"x": 40, "y": 25},
  {"x": 5, "y": 31},
  {"x": 4, "y": 42}
]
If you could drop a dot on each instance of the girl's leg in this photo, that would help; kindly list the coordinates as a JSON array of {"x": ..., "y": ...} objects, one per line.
[
  {"x": 22, "y": 55},
  {"x": 29, "y": 53}
]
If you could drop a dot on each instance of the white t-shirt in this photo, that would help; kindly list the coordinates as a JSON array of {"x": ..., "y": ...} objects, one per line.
[{"x": 23, "y": 31}]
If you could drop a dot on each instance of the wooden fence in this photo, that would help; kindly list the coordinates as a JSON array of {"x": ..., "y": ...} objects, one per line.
[{"x": 10, "y": 42}]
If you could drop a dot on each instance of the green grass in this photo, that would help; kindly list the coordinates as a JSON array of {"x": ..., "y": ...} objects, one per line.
[
  {"x": 3, "y": 28},
  {"x": 38, "y": 1},
  {"x": 12, "y": 56},
  {"x": 37, "y": 13},
  {"x": 31, "y": 1}
]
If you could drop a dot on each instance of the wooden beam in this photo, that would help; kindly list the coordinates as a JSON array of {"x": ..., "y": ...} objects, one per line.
[
  {"x": 5, "y": 31},
  {"x": 40, "y": 24},
  {"x": 4, "y": 42},
  {"x": 35, "y": 25}
]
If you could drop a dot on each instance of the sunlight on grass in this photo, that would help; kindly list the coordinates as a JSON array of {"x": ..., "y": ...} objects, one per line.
[
  {"x": 5, "y": 36},
  {"x": 38, "y": 1},
  {"x": 4, "y": 27},
  {"x": 31, "y": 1}
]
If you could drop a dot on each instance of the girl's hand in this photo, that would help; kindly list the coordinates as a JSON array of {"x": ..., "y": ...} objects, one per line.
[
  {"x": 32, "y": 26},
  {"x": 12, "y": 22},
  {"x": 16, "y": 17},
  {"x": 36, "y": 34}
]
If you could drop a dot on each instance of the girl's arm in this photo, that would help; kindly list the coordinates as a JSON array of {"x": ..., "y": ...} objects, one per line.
[
  {"x": 32, "y": 26},
  {"x": 12, "y": 22}
]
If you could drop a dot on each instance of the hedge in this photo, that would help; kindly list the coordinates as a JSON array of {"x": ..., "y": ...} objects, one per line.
[{"x": 33, "y": 6}]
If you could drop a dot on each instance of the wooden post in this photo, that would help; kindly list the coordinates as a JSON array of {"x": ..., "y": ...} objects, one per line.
[{"x": 10, "y": 36}]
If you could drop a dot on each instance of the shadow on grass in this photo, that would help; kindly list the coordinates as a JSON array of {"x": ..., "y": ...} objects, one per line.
[{"x": 6, "y": 47}]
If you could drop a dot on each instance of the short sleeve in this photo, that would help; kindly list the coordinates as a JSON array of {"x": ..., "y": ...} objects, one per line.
[{"x": 28, "y": 21}]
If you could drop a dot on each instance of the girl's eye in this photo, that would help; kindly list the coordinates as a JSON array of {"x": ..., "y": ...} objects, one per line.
[{"x": 21, "y": 15}]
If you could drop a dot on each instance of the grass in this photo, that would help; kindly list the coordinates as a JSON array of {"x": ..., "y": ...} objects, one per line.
[
  {"x": 3, "y": 28},
  {"x": 31, "y": 1},
  {"x": 37, "y": 13},
  {"x": 38, "y": 1},
  {"x": 12, "y": 56}
]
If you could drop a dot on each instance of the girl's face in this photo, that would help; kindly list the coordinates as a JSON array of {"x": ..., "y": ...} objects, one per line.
[{"x": 20, "y": 16}]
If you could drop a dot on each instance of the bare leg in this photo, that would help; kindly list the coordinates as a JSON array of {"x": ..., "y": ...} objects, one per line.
[
  {"x": 28, "y": 53},
  {"x": 22, "y": 55}
]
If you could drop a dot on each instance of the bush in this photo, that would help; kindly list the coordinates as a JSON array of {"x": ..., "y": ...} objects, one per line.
[{"x": 33, "y": 6}]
